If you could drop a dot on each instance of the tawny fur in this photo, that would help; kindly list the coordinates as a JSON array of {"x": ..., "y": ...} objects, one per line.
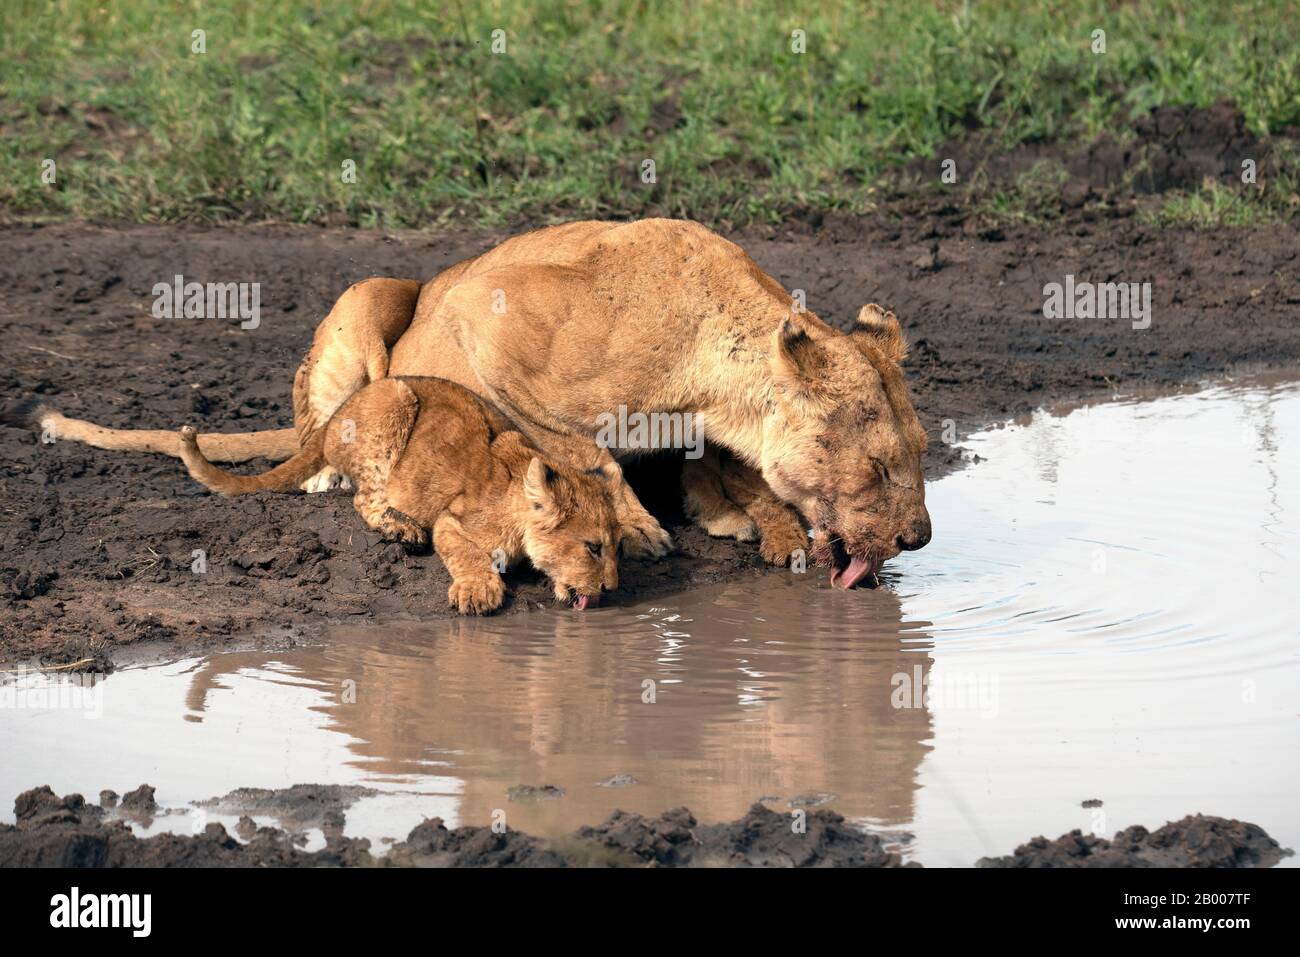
[
  {"x": 224, "y": 447},
  {"x": 431, "y": 461},
  {"x": 561, "y": 325}
]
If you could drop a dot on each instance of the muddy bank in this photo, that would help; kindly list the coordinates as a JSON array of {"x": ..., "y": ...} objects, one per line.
[
  {"x": 1195, "y": 841},
  {"x": 66, "y": 831},
  {"x": 103, "y": 552}
]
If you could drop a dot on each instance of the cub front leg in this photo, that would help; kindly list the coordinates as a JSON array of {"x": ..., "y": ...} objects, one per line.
[
  {"x": 779, "y": 526},
  {"x": 476, "y": 586}
]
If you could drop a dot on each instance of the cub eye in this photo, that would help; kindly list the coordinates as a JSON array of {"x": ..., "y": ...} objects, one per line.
[{"x": 594, "y": 548}]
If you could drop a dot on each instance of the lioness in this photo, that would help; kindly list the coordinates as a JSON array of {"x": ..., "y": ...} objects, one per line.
[
  {"x": 561, "y": 326},
  {"x": 428, "y": 456}
]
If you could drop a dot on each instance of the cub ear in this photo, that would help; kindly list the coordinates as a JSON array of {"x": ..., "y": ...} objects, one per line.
[
  {"x": 881, "y": 330},
  {"x": 796, "y": 360},
  {"x": 537, "y": 484},
  {"x": 611, "y": 472}
]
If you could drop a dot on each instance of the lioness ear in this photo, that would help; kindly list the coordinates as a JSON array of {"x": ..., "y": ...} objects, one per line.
[
  {"x": 796, "y": 361},
  {"x": 537, "y": 484},
  {"x": 610, "y": 472},
  {"x": 881, "y": 329}
]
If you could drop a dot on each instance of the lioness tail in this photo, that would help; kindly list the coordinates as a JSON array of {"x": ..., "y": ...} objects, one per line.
[
  {"x": 224, "y": 447},
  {"x": 285, "y": 477}
]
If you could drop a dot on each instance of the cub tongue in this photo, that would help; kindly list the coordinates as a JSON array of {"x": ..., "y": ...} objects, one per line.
[
  {"x": 580, "y": 602},
  {"x": 857, "y": 569}
]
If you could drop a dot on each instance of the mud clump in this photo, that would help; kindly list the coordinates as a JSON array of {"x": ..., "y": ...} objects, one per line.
[
  {"x": 1195, "y": 841},
  {"x": 762, "y": 838},
  {"x": 24, "y": 584},
  {"x": 532, "y": 792},
  {"x": 297, "y": 807},
  {"x": 1182, "y": 145},
  {"x": 41, "y": 806},
  {"x": 140, "y": 801},
  {"x": 53, "y": 831},
  {"x": 431, "y": 844}
]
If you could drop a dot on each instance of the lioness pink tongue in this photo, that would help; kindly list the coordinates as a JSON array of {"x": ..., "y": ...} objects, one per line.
[
  {"x": 853, "y": 574},
  {"x": 580, "y": 602}
]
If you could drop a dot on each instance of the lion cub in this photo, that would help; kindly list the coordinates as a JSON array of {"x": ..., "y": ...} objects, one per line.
[{"x": 428, "y": 456}]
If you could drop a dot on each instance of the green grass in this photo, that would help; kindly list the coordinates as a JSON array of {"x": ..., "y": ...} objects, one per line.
[
  {"x": 443, "y": 130},
  {"x": 1274, "y": 201},
  {"x": 1212, "y": 206},
  {"x": 1030, "y": 198}
]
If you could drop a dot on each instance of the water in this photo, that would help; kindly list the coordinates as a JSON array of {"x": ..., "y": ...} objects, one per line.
[{"x": 1109, "y": 610}]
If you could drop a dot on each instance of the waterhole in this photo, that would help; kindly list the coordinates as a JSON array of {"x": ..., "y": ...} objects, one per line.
[{"x": 1109, "y": 612}]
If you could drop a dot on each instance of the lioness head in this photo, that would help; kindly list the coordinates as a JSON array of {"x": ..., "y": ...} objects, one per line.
[
  {"x": 843, "y": 444},
  {"x": 571, "y": 531}
]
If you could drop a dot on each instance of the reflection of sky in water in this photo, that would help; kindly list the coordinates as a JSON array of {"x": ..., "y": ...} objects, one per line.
[
  {"x": 1127, "y": 573},
  {"x": 1106, "y": 611}
]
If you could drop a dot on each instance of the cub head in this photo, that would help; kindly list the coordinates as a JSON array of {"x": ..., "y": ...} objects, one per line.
[
  {"x": 842, "y": 442},
  {"x": 571, "y": 531}
]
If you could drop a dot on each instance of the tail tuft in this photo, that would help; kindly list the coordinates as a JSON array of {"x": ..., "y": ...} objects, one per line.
[{"x": 23, "y": 414}]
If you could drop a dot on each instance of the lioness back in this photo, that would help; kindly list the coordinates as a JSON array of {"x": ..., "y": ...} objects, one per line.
[{"x": 350, "y": 348}]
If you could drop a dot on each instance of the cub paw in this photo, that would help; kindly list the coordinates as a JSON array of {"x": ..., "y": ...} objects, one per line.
[
  {"x": 477, "y": 596},
  {"x": 398, "y": 527},
  {"x": 646, "y": 539},
  {"x": 781, "y": 539}
]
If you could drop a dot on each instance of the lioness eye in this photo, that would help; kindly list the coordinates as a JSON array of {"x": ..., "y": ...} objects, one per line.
[{"x": 594, "y": 548}]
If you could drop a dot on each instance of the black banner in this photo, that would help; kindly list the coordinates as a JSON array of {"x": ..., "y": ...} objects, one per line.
[{"x": 334, "y": 907}]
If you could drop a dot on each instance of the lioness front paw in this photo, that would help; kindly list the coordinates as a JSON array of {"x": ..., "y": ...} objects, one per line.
[
  {"x": 477, "y": 596},
  {"x": 782, "y": 537},
  {"x": 732, "y": 524},
  {"x": 645, "y": 539}
]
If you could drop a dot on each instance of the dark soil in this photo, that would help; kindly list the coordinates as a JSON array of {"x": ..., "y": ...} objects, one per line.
[
  {"x": 1172, "y": 147},
  {"x": 297, "y": 807},
  {"x": 96, "y": 548},
  {"x": 1195, "y": 841},
  {"x": 67, "y": 832}
]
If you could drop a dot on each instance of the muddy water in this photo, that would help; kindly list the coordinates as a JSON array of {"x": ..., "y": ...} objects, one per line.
[{"x": 1108, "y": 612}]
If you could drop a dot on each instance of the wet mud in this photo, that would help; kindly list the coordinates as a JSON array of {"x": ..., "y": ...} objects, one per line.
[
  {"x": 1195, "y": 841},
  {"x": 53, "y": 831}
]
